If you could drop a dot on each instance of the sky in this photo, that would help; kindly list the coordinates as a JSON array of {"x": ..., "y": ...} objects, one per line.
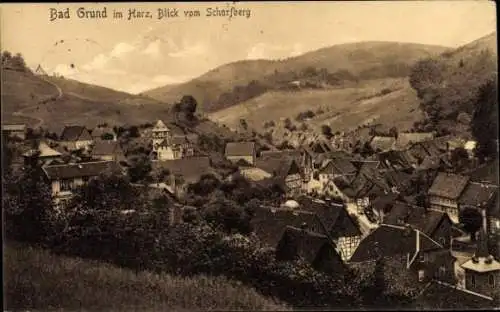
[{"x": 143, "y": 53}]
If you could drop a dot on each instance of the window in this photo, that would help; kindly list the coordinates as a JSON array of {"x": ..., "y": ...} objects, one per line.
[
  {"x": 421, "y": 275},
  {"x": 473, "y": 281},
  {"x": 65, "y": 185},
  {"x": 491, "y": 280}
]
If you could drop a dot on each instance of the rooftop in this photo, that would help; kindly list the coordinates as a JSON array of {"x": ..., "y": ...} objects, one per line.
[
  {"x": 448, "y": 185},
  {"x": 240, "y": 148},
  {"x": 80, "y": 170}
]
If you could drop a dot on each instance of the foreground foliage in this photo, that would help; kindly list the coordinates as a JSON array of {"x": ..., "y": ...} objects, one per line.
[{"x": 37, "y": 279}]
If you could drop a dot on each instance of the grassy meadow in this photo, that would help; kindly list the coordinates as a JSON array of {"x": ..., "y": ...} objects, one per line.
[{"x": 36, "y": 279}]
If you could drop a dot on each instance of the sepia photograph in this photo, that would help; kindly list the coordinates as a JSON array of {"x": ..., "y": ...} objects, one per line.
[{"x": 250, "y": 156}]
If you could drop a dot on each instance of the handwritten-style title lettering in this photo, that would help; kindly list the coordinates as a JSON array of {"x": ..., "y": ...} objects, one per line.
[{"x": 158, "y": 14}]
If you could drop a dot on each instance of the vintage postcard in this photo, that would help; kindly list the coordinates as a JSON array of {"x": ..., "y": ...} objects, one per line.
[{"x": 338, "y": 155}]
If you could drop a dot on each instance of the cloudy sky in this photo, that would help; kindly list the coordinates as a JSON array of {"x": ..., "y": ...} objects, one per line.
[{"x": 140, "y": 54}]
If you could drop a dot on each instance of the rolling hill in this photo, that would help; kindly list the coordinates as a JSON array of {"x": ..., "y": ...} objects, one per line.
[
  {"x": 448, "y": 85},
  {"x": 343, "y": 109},
  {"x": 52, "y": 102},
  {"x": 364, "y": 60}
]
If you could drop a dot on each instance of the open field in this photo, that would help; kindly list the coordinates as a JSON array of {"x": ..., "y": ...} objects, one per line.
[
  {"x": 344, "y": 109},
  {"x": 38, "y": 280}
]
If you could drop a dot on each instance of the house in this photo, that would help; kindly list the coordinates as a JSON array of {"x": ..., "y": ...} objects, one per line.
[
  {"x": 445, "y": 192},
  {"x": 482, "y": 271},
  {"x": 336, "y": 167},
  {"x": 183, "y": 172},
  {"x": 382, "y": 144},
  {"x": 75, "y": 137},
  {"x": 343, "y": 142},
  {"x": 107, "y": 150},
  {"x": 399, "y": 181},
  {"x": 287, "y": 171},
  {"x": 435, "y": 224},
  {"x": 366, "y": 186},
  {"x": 405, "y": 140},
  {"x": 160, "y": 133},
  {"x": 269, "y": 223},
  {"x": 382, "y": 205},
  {"x": 470, "y": 147},
  {"x": 313, "y": 247},
  {"x": 241, "y": 150},
  {"x": 487, "y": 173},
  {"x": 395, "y": 160},
  {"x": 99, "y": 133},
  {"x": 64, "y": 179},
  {"x": 479, "y": 196},
  {"x": 338, "y": 224},
  {"x": 425, "y": 258},
  {"x": 14, "y": 131},
  {"x": 44, "y": 152}
]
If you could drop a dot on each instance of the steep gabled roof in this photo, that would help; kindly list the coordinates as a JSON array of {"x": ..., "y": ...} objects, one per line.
[
  {"x": 87, "y": 169},
  {"x": 99, "y": 132},
  {"x": 393, "y": 240},
  {"x": 105, "y": 147},
  {"x": 240, "y": 149},
  {"x": 448, "y": 185},
  {"x": 478, "y": 194},
  {"x": 75, "y": 133},
  {"x": 278, "y": 167},
  {"x": 270, "y": 223},
  {"x": 487, "y": 173},
  {"x": 191, "y": 169},
  {"x": 160, "y": 126},
  {"x": 45, "y": 151},
  {"x": 306, "y": 244},
  {"x": 338, "y": 166},
  {"x": 334, "y": 216},
  {"x": 404, "y": 140}
]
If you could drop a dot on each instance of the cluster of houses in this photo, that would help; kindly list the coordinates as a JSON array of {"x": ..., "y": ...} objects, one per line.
[
  {"x": 329, "y": 189},
  {"x": 328, "y": 193}
]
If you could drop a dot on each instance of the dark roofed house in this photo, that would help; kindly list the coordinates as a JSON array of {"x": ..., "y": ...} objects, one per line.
[
  {"x": 445, "y": 192},
  {"x": 269, "y": 223},
  {"x": 107, "y": 150},
  {"x": 339, "y": 225},
  {"x": 14, "y": 130},
  {"x": 487, "y": 173},
  {"x": 76, "y": 137},
  {"x": 313, "y": 247},
  {"x": 64, "y": 179},
  {"x": 395, "y": 160},
  {"x": 241, "y": 150},
  {"x": 286, "y": 170},
  {"x": 405, "y": 140},
  {"x": 184, "y": 171},
  {"x": 435, "y": 224},
  {"x": 425, "y": 258},
  {"x": 482, "y": 196}
]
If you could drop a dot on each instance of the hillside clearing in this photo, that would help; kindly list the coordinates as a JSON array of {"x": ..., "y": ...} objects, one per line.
[
  {"x": 344, "y": 109},
  {"x": 37, "y": 279}
]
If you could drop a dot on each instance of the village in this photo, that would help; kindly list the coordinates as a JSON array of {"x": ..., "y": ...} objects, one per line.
[{"x": 408, "y": 200}]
